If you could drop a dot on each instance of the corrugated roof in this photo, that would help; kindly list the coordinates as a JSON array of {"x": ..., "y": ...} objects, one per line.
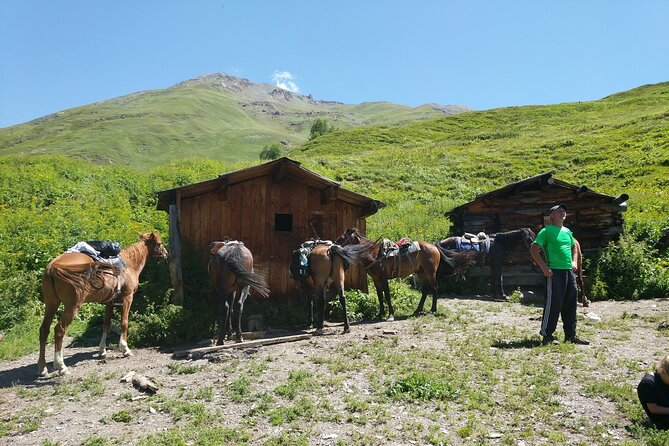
[{"x": 290, "y": 168}]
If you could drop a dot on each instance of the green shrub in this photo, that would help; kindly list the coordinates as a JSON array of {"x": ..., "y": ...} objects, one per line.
[{"x": 628, "y": 271}]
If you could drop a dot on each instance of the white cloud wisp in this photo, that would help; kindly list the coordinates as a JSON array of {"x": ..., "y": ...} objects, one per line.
[{"x": 284, "y": 80}]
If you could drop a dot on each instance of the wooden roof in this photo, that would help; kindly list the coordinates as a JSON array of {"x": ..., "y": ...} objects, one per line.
[
  {"x": 536, "y": 181},
  {"x": 279, "y": 169}
]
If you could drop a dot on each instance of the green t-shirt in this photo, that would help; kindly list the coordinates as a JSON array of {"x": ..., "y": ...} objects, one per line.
[{"x": 556, "y": 242}]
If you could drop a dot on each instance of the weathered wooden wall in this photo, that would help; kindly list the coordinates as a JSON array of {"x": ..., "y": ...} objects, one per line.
[{"x": 245, "y": 211}]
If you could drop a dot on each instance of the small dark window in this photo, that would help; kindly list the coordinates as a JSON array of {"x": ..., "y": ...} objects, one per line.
[{"x": 283, "y": 222}]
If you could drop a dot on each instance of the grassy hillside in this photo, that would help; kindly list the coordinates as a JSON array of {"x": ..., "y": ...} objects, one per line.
[
  {"x": 614, "y": 145},
  {"x": 219, "y": 117}
]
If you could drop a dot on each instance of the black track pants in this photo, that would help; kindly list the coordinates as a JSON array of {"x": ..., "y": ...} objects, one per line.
[{"x": 560, "y": 299}]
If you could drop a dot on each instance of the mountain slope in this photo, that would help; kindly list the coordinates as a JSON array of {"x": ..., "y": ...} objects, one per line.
[
  {"x": 216, "y": 116},
  {"x": 614, "y": 145}
]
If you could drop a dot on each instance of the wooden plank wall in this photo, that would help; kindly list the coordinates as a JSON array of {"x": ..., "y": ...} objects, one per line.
[{"x": 245, "y": 211}]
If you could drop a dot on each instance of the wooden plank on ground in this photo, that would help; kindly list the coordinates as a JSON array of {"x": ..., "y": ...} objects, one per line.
[{"x": 198, "y": 352}]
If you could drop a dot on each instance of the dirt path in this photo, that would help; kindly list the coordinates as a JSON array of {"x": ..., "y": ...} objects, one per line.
[{"x": 340, "y": 375}]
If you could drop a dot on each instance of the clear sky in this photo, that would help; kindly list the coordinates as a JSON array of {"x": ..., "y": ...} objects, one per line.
[{"x": 56, "y": 55}]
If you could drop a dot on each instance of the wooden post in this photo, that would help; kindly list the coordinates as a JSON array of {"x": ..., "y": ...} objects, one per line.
[{"x": 175, "y": 257}]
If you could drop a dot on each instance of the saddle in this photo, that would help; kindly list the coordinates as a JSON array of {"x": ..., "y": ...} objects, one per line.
[
  {"x": 216, "y": 245},
  {"x": 402, "y": 247},
  {"x": 101, "y": 251},
  {"x": 470, "y": 242},
  {"x": 299, "y": 263}
]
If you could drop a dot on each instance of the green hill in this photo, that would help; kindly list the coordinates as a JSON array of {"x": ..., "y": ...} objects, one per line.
[
  {"x": 216, "y": 116},
  {"x": 614, "y": 145}
]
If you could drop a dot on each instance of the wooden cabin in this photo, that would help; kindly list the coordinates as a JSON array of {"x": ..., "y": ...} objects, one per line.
[
  {"x": 273, "y": 208},
  {"x": 594, "y": 218}
]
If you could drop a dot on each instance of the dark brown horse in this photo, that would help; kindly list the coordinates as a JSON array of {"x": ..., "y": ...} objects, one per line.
[
  {"x": 74, "y": 278},
  {"x": 500, "y": 245},
  {"x": 423, "y": 263},
  {"x": 231, "y": 274},
  {"x": 328, "y": 264},
  {"x": 578, "y": 271}
]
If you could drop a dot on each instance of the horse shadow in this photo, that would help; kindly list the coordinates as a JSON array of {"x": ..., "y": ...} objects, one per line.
[{"x": 27, "y": 377}]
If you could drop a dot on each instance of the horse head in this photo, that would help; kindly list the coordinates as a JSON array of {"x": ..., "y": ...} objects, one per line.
[
  {"x": 155, "y": 244},
  {"x": 528, "y": 237},
  {"x": 350, "y": 237}
]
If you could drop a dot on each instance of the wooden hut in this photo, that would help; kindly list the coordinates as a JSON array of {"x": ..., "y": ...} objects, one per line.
[
  {"x": 595, "y": 219},
  {"x": 272, "y": 208}
]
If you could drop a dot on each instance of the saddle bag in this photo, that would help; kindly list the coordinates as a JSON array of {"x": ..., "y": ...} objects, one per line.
[{"x": 106, "y": 248}]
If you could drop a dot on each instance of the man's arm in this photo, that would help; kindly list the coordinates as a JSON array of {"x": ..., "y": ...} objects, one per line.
[
  {"x": 536, "y": 256},
  {"x": 574, "y": 258}
]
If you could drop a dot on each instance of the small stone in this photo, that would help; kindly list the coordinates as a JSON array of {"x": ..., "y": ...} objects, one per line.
[
  {"x": 329, "y": 436},
  {"x": 494, "y": 435}
]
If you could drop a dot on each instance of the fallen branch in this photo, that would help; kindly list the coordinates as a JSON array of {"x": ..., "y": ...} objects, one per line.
[{"x": 199, "y": 352}]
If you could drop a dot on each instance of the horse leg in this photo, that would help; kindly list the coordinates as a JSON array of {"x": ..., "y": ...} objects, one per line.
[
  {"x": 69, "y": 312},
  {"x": 228, "y": 317},
  {"x": 106, "y": 323},
  {"x": 378, "y": 284},
  {"x": 320, "y": 295},
  {"x": 342, "y": 301},
  {"x": 386, "y": 291},
  {"x": 435, "y": 291},
  {"x": 49, "y": 312},
  {"x": 125, "y": 311},
  {"x": 223, "y": 319},
  {"x": 239, "y": 308}
]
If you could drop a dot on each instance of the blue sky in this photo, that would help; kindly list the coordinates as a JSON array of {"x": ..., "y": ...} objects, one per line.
[{"x": 56, "y": 55}]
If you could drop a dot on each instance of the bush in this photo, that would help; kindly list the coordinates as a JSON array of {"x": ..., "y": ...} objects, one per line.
[{"x": 627, "y": 271}]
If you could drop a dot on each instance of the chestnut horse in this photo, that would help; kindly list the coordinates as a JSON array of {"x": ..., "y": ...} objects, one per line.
[
  {"x": 424, "y": 263},
  {"x": 328, "y": 264},
  {"x": 74, "y": 278},
  {"x": 500, "y": 245},
  {"x": 231, "y": 274}
]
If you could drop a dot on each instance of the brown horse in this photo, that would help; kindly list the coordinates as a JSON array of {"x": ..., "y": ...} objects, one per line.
[
  {"x": 328, "y": 264},
  {"x": 424, "y": 263},
  {"x": 231, "y": 274},
  {"x": 75, "y": 278}
]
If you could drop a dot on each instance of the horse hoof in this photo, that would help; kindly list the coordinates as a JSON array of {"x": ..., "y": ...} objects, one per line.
[
  {"x": 390, "y": 318},
  {"x": 346, "y": 330},
  {"x": 220, "y": 342},
  {"x": 62, "y": 372},
  {"x": 586, "y": 303},
  {"x": 43, "y": 373},
  {"x": 417, "y": 313},
  {"x": 319, "y": 332},
  {"x": 128, "y": 354},
  {"x": 239, "y": 340},
  {"x": 102, "y": 354}
]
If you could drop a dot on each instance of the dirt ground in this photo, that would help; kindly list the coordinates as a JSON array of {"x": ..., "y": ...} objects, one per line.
[{"x": 69, "y": 411}]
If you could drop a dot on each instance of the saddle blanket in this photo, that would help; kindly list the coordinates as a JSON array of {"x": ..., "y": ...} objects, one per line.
[
  {"x": 463, "y": 244},
  {"x": 299, "y": 264},
  {"x": 85, "y": 248}
]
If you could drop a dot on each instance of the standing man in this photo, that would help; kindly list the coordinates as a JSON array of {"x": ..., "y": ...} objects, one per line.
[{"x": 557, "y": 243}]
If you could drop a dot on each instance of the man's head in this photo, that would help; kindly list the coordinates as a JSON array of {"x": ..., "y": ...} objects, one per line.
[
  {"x": 557, "y": 214},
  {"x": 662, "y": 369}
]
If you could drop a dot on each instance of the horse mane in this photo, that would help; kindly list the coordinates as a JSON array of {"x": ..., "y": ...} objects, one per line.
[{"x": 133, "y": 254}]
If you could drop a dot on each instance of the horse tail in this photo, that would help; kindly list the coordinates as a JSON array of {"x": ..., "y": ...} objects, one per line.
[
  {"x": 252, "y": 279},
  {"x": 353, "y": 253},
  {"x": 457, "y": 261}
]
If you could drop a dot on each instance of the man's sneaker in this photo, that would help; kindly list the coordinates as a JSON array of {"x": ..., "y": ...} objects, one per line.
[
  {"x": 549, "y": 339},
  {"x": 577, "y": 340}
]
